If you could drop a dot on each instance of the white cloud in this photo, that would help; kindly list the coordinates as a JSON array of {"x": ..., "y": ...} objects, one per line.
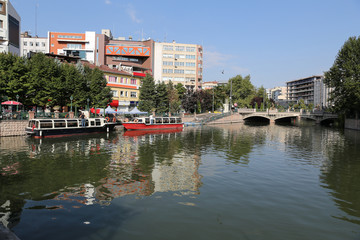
[
  {"x": 132, "y": 13},
  {"x": 108, "y": 2},
  {"x": 215, "y": 59}
]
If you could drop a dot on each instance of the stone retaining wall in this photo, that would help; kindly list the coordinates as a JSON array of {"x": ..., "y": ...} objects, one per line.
[
  {"x": 352, "y": 124},
  {"x": 12, "y": 128}
]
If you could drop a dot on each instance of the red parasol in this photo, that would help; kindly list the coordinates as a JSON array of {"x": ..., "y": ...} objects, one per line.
[{"x": 11, "y": 103}]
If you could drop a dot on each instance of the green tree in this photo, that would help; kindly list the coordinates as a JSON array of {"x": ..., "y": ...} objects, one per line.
[
  {"x": 173, "y": 96},
  {"x": 344, "y": 79},
  {"x": 99, "y": 94},
  {"x": 162, "y": 99},
  {"x": 242, "y": 90},
  {"x": 181, "y": 90},
  {"x": 147, "y": 94}
]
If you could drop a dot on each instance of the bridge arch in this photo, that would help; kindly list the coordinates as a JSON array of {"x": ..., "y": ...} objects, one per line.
[{"x": 257, "y": 118}]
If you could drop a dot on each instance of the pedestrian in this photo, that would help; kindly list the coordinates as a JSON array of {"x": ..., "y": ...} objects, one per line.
[{"x": 82, "y": 116}]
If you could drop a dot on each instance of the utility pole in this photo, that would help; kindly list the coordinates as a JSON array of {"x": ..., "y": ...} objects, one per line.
[{"x": 230, "y": 95}]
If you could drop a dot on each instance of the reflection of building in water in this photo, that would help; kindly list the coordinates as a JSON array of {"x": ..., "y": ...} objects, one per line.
[
  {"x": 5, "y": 213},
  {"x": 181, "y": 174}
]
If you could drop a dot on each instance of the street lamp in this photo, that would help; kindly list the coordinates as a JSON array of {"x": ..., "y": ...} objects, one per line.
[
  {"x": 88, "y": 108},
  {"x": 71, "y": 98},
  {"x": 230, "y": 95},
  {"x": 17, "y": 99}
]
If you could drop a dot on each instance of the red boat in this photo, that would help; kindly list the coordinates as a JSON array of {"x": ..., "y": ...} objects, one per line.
[
  {"x": 138, "y": 133},
  {"x": 149, "y": 123}
]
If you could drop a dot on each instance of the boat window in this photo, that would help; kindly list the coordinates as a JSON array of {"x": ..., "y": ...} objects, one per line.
[
  {"x": 46, "y": 124},
  {"x": 172, "y": 120},
  {"x": 147, "y": 120},
  {"x": 97, "y": 122},
  {"x": 59, "y": 123},
  {"x": 158, "y": 120},
  {"x": 166, "y": 120},
  {"x": 31, "y": 123},
  {"x": 178, "y": 120},
  {"x": 72, "y": 123},
  {"x": 140, "y": 120}
]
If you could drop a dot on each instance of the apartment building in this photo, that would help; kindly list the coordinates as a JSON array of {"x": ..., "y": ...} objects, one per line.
[
  {"x": 209, "y": 85},
  {"x": 301, "y": 89},
  {"x": 9, "y": 28},
  {"x": 124, "y": 87},
  {"x": 278, "y": 94},
  {"x": 82, "y": 45},
  {"x": 125, "y": 54},
  {"x": 179, "y": 63},
  {"x": 30, "y": 44}
]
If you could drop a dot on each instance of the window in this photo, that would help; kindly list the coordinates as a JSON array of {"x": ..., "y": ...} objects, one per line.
[
  {"x": 133, "y": 94},
  {"x": 122, "y": 94},
  {"x": 167, "y": 78},
  {"x": 168, "y": 56},
  {"x": 189, "y": 71},
  {"x": 112, "y": 79},
  {"x": 168, "y": 48},
  {"x": 36, "y": 44},
  {"x": 167, "y": 71},
  {"x": 1, "y": 22},
  {"x": 52, "y": 44},
  {"x": 179, "y": 56},
  {"x": 73, "y": 46},
  {"x": 179, "y": 79},
  {"x": 25, "y": 43},
  {"x": 190, "y": 49},
  {"x": 133, "y": 81},
  {"x": 115, "y": 93},
  {"x": 31, "y": 44},
  {"x": 180, "y": 48},
  {"x": 165, "y": 63},
  {"x": 181, "y": 71},
  {"x": 179, "y": 63},
  {"x": 68, "y": 36},
  {"x": 190, "y": 56},
  {"x": 190, "y": 64},
  {"x": 43, "y": 44}
]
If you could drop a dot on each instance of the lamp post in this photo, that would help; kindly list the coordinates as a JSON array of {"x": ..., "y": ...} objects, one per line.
[
  {"x": 71, "y": 98},
  {"x": 17, "y": 99},
  {"x": 88, "y": 100}
]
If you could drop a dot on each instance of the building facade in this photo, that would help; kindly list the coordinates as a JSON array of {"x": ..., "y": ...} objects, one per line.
[
  {"x": 32, "y": 44},
  {"x": 278, "y": 94},
  {"x": 209, "y": 85},
  {"x": 122, "y": 54},
  {"x": 124, "y": 87},
  {"x": 311, "y": 90},
  {"x": 9, "y": 28},
  {"x": 179, "y": 63},
  {"x": 81, "y": 45}
]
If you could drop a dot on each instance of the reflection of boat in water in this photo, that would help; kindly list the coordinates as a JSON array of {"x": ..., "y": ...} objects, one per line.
[
  {"x": 151, "y": 131},
  {"x": 40, "y": 128},
  {"x": 142, "y": 123}
]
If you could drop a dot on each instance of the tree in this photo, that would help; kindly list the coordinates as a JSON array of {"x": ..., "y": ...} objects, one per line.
[
  {"x": 181, "y": 90},
  {"x": 242, "y": 90},
  {"x": 162, "y": 99},
  {"x": 173, "y": 97},
  {"x": 147, "y": 94},
  {"x": 344, "y": 79}
]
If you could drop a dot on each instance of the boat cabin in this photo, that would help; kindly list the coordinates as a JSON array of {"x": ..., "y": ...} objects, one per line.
[
  {"x": 159, "y": 120},
  {"x": 65, "y": 123}
]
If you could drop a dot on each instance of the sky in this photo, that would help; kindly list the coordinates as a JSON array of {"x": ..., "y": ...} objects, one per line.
[{"x": 273, "y": 41}]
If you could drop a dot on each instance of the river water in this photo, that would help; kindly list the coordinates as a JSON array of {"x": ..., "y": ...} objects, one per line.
[{"x": 223, "y": 182}]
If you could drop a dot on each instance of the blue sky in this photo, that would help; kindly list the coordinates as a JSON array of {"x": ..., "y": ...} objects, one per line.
[{"x": 273, "y": 41}]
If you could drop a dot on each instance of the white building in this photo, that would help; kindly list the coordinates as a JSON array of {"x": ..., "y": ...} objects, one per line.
[
  {"x": 179, "y": 63},
  {"x": 321, "y": 94},
  {"x": 278, "y": 94},
  {"x": 32, "y": 44},
  {"x": 9, "y": 28}
]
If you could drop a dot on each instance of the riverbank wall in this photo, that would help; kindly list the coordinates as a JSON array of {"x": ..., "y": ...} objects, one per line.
[
  {"x": 353, "y": 124},
  {"x": 12, "y": 128}
]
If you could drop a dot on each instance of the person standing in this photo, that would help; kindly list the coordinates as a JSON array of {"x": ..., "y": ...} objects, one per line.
[{"x": 82, "y": 116}]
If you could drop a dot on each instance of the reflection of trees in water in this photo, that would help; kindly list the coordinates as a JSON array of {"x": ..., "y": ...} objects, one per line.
[
  {"x": 342, "y": 174},
  {"x": 51, "y": 168}
]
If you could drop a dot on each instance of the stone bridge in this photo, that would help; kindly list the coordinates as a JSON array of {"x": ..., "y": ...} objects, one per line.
[{"x": 274, "y": 115}]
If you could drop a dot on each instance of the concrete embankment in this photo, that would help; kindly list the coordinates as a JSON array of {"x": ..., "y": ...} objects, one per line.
[{"x": 12, "y": 128}]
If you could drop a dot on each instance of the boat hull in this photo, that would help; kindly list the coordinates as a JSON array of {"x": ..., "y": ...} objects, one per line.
[
  {"x": 143, "y": 126},
  {"x": 51, "y": 133}
]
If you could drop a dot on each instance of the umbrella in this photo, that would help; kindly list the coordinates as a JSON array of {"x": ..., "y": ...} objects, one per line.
[
  {"x": 109, "y": 110},
  {"x": 11, "y": 103},
  {"x": 137, "y": 111}
]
